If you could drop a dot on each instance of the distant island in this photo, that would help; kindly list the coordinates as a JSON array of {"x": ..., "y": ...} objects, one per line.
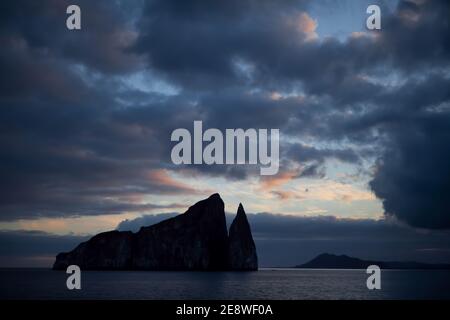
[
  {"x": 331, "y": 261},
  {"x": 195, "y": 240}
]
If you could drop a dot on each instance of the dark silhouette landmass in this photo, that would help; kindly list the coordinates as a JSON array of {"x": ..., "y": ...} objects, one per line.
[
  {"x": 242, "y": 253},
  {"x": 331, "y": 261},
  {"x": 195, "y": 240}
]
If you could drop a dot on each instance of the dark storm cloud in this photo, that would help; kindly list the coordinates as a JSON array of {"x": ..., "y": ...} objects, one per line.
[
  {"x": 419, "y": 35},
  {"x": 200, "y": 43},
  {"x": 76, "y": 160},
  {"x": 413, "y": 176},
  {"x": 265, "y": 42},
  {"x": 41, "y": 27},
  {"x": 315, "y": 158},
  {"x": 66, "y": 147},
  {"x": 74, "y": 132}
]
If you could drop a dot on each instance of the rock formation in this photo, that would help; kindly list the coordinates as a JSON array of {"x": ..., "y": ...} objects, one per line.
[
  {"x": 195, "y": 240},
  {"x": 242, "y": 249},
  {"x": 332, "y": 261}
]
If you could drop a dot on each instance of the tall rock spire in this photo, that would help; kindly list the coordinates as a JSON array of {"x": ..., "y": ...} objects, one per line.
[{"x": 242, "y": 249}]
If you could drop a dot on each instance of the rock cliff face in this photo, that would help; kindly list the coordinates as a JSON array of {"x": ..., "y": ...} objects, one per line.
[
  {"x": 242, "y": 249},
  {"x": 195, "y": 240}
]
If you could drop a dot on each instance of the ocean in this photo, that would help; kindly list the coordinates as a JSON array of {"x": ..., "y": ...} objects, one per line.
[{"x": 264, "y": 284}]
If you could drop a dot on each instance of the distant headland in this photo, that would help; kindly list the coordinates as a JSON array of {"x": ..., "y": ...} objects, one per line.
[
  {"x": 195, "y": 240},
  {"x": 331, "y": 261}
]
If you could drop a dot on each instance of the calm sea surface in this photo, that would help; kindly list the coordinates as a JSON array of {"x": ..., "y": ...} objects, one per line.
[{"x": 264, "y": 284}]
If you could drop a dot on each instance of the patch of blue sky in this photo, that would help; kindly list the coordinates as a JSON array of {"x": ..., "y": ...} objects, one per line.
[{"x": 339, "y": 19}]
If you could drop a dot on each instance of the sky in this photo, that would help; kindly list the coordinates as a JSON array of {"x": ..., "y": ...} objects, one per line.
[{"x": 364, "y": 119}]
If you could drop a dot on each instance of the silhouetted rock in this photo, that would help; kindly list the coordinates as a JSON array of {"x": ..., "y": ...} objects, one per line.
[
  {"x": 195, "y": 240},
  {"x": 242, "y": 250},
  {"x": 107, "y": 250},
  {"x": 331, "y": 261}
]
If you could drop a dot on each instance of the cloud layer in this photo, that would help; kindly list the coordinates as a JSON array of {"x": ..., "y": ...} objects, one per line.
[{"x": 86, "y": 116}]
